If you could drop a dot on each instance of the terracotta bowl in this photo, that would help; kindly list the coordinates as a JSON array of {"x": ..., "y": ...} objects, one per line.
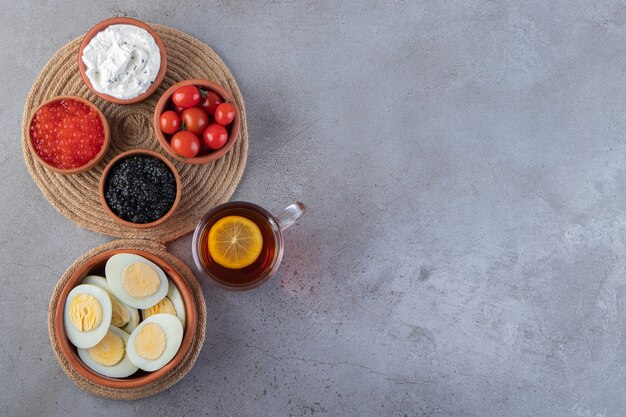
[
  {"x": 90, "y": 164},
  {"x": 105, "y": 173},
  {"x": 123, "y": 21},
  {"x": 95, "y": 265},
  {"x": 234, "y": 126}
]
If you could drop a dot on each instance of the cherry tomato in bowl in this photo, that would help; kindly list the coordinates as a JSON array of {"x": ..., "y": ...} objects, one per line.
[
  {"x": 170, "y": 122},
  {"x": 225, "y": 114},
  {"x": 187, "y": 96},
  {"x": 210, "y": 102},
  {"x": 215, "y": 136},
  {"x": 185, "y": 144},
  {"x": 195, "y": 119}
]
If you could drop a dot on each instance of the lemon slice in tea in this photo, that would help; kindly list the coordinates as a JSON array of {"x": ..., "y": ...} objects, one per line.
[{"x": 235, "y": 242}]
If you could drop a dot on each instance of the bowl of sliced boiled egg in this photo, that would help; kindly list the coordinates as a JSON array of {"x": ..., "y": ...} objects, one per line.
[{"x": 125, "y": 318}]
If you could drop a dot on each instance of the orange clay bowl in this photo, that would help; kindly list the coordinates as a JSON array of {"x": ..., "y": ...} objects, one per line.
[
  {"x": 123, "y": 21},
  {"x": 211, "y": 156},
  {"x": 88, "y": 165},
  {"x": 105, "y": 173},
  {"x": 95, "y": 265}
]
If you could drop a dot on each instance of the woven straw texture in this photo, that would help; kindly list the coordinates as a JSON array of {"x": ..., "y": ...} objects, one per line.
[
  {"x": 204, "y": 186},
  {"x": 177, "y": 373}
]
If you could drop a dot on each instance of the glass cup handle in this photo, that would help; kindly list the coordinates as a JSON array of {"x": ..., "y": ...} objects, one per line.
[{"x": 288, "y": 216}]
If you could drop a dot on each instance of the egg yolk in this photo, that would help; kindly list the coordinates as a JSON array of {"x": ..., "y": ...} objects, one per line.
[
  {"x": 109, "y": 351},
  {"x": 120, "y": 315},
  {"x": 163, "y": 306},
  {"x": 150, "y": 341},
  {"x": 85, "y": 312},
  {"x": 140, "y": 280}
]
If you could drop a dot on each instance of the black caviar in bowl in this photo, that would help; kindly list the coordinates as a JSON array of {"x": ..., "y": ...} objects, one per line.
[{"x": 140, "y": 189}]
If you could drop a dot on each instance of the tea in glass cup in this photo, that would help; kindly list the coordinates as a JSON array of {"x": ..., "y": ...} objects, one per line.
[{"x": 239, "y": 245}]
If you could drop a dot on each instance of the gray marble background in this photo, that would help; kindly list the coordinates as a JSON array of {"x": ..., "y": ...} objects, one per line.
[{"x": 463, "y": 255}]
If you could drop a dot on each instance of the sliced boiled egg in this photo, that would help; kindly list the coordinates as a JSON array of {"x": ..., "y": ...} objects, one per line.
[
  {"x": 133, "y": 322},
  {"x": 124, "y": 316},
  {"x": 135, "y": 280},
  {"x": 172, "y": 304},
  {"x": 109, "y": 357},
  {"x": 87, "y": 315},
  {"x": 155, "y": 341}
]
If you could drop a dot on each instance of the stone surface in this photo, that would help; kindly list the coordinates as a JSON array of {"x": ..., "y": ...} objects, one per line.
[{"x": 463, "y": 255}]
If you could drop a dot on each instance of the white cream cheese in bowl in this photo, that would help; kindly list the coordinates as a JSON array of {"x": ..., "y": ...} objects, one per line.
[{"x": 122, "y": 61}]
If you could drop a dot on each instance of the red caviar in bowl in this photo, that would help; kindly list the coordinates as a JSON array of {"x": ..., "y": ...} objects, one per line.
[{"x": 67, "y": 133}]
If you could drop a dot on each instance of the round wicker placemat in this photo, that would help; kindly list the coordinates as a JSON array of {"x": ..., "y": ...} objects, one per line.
[
  {"x": 204, "y": 186},
  {"x": 177, "y": 373}
]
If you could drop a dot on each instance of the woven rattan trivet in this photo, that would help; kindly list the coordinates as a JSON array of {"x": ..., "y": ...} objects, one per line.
[
  {"x": 177, "y": 373},
  {"x": 204, "y": 186}
]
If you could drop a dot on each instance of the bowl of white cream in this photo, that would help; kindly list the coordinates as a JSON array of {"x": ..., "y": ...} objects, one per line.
[{"x": 122, "y": 60}]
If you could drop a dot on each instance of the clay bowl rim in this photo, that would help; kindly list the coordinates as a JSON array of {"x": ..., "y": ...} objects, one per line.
[
  {"x": 105, "y": 173},
  {"x": 99, "y": 27},
  {"x": 210, "y": 157},
  {"x": 99, "y": 155},
  {"x": 69, "y": 351}
]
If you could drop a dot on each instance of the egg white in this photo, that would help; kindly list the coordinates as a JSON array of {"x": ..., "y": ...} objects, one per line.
[
  {"x": 91, "y": 338},
  {"x": 133, "y": 312},
  {"x": 121, "y": 369},
  {"x": 133, "y": 322},
  {"x": 173, "y": 329},
  {"x": 177, "y": 300},
  {"x": 174, "y": 295},
  {"x": 115, "y": 267}
]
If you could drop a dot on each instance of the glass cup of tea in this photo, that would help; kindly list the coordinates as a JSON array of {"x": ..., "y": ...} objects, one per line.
[{"x": 239, "y": 245}]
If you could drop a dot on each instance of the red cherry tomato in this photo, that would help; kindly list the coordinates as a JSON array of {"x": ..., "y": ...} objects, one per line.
[
  {"x": 185, "y": 144},
  {"x": 170, "y": 122},
  {"x": 179, "y": 109},
  {"x": 187, "y": 96},
  {"x": 215, "y": 136},
  {"x": 195, "y": 120},
  {"x": 210, "y": 102},
  {"x": 225, "y": 113}
]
